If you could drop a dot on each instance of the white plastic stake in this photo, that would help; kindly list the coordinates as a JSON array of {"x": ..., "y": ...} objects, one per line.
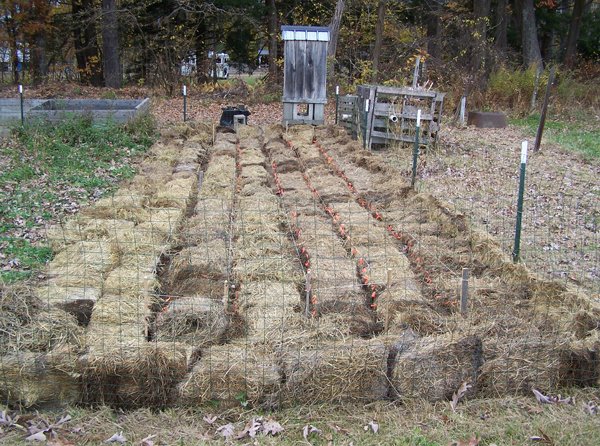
[
  {"x": 184, "y": 90},
  {"x": 524, "y": 152},
  {"x": 20, "y": 89},
  {"x": 463, "y": 106},
  {"x": 367, "y": 101},
  {"x": 419, "y": 118},
  {"x": 337, "y": 89}
]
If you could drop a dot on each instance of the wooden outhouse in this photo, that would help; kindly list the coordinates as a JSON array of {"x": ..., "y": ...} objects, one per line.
[{"x": 305, "y": 74}]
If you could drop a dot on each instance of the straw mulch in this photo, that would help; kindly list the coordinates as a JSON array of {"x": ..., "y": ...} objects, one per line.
[
  {"x": 336, "y": 372},
  {"x": 231, "y": 374},
  {"x": 212, "y": 221},
  {"x": 224, "y": 149},
  {"x": 282, "y": 267},
  {"x": 196, "y": 321},
  {"x": 254, "y": 174},
  {"x": 51, "y": 294},
  {"x": 292, "y": 181},
  {"x": 283, "y": 158},
  {"x": 219, "y": 179},
  {"x": 433, "y": 368},
  {"x": 209, "y": 259},
  {"x": 128, "y": 281},
  {"x": 29, "y": 378}
]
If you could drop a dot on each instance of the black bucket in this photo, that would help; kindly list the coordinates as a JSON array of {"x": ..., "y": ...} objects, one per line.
[{"x": 230, "y": 112}]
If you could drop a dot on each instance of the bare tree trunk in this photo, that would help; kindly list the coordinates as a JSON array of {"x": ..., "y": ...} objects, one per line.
[
  {"x": 273, "y": 32},
  {"x": 110, "y": 44},
  {"x": 531, "y": 44},
  {"x": 500, "y": 36},
  {"x": 379, "y": 29},
  {"x": 86, "y": 44},
  {"x": 334, "y": 27},
  {"x": 481, "y": 10},
  {"x": 433, "y": 32},
  {"x": 573, "y": 35},
  {"x": 38, "y": 59}
]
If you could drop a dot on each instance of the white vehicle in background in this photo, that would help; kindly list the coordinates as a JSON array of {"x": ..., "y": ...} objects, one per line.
[{"x": 221, "y": 65}]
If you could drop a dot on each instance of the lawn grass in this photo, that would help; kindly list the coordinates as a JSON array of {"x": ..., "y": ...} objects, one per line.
[
  {"x": 50, "y": 170},
  {"x": 573, "y": 136}
]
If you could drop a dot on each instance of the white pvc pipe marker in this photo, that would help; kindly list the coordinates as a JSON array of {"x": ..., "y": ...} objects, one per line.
[
  {"x": 184, "y": 90},
  {"x": 419, "y": 118},
  {"x": 20, "y": 89},
  {"x": 524, "y": 152},
  {"x": 367, "y": 105},
  {"x": 337, "y": 89}
]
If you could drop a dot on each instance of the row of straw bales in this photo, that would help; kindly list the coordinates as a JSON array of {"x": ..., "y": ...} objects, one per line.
[
  {"x": 83, "y": 332},
  {"x": 558, "y": 349}
]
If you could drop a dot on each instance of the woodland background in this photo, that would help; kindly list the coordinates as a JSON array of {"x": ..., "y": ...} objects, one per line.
[{"x": 464, "y": 43}]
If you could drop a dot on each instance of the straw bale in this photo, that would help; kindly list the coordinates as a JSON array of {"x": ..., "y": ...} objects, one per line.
[
  {"x": 302, "y": 201},
  {"x": 53, "y": 294},
  {"x": 196, "y": 321},
  {"x": 337, "y": 372},
  {"x": 80, "y": 228},
  {"x": 258, "y": 223},
  {"x": 219, "y": 174},
  {"x": 224, "y": 149},
  {"x": 378, "y": 260},
  {"x": 283, "y": 267},
  {"x": 333, "y": 276},
  {"x": 118, "y": 321},
  {"x": 580, "y": 363},
  {"x": 47, "y": 330},
  {"x": 263, "y": 202},
  {"x": 351, "y": 315},
  {"x": 252, "y": 157},
  {"x": 254, "y": 174},
  {"x": 284, "y": 160},
  {"x": 210, "y": 258},
  {"x": 266, "y": 305},
  {"x": 143, "y": 375},
  {"x": 254, "y": 189},
  {"x": 229, "y": 373},
  {"x": 174, "y": 194},
  {"x": 487, "y": 251},
  {"x": 191, "y": 280},
  {"x": 83, "y": 264},
  {"x": 433, "y": 368},
  {"x": 517, "y": 364},
  {"x": 246, "y": 132},
  {"x": 162, "y": 223},
  {"x": 370, "y": 234},
  {"x": 28, "y": 378},
  {"x": 125, "y": 204},
  {"x": 309, "y": 155},
  {"x": 292, "y": 181},
  {"x": 128, "y": 281}
]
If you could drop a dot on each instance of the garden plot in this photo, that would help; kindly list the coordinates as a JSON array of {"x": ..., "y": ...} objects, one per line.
[{"x": 296, "y": 268}]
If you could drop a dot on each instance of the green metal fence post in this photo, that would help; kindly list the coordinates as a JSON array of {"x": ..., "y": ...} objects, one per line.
[{"x": 517, "y": 246}]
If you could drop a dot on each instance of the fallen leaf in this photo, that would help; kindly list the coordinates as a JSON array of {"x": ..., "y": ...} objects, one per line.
[
  {"x": 210, "y": 419},
  {"x": 272, "y": 427},
  {"x": 227, "y": 430},
  {"x": 117, "y": 438},
  {"x": 591, "y": 408},
  {"x": 373, "y": 426},
  {"x": 462, "y": 390},
  {"x": 39, "y": 436},
  {"x": 310, "y": 429},
  {"x": 148, "y": 441},
  {"x": 473, "y": 441},
  {"x": 552, "y": 399},
  {"x": 252, "y": 428}
]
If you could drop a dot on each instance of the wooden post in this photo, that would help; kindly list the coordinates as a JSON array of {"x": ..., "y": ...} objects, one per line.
[
  {"x": 463, "y": 106},
  {"x": 464, "y": 292},
  {"x": 226, "y": 296},
  {"x": 387, "y": 289},
  {"x": 416, "y": 72},
  {"x": 540, "y": 131},
  {"x": 536, "y": 86}
]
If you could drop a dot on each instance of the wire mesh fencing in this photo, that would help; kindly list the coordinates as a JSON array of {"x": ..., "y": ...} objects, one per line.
[{"x": 288, "y": 268}]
